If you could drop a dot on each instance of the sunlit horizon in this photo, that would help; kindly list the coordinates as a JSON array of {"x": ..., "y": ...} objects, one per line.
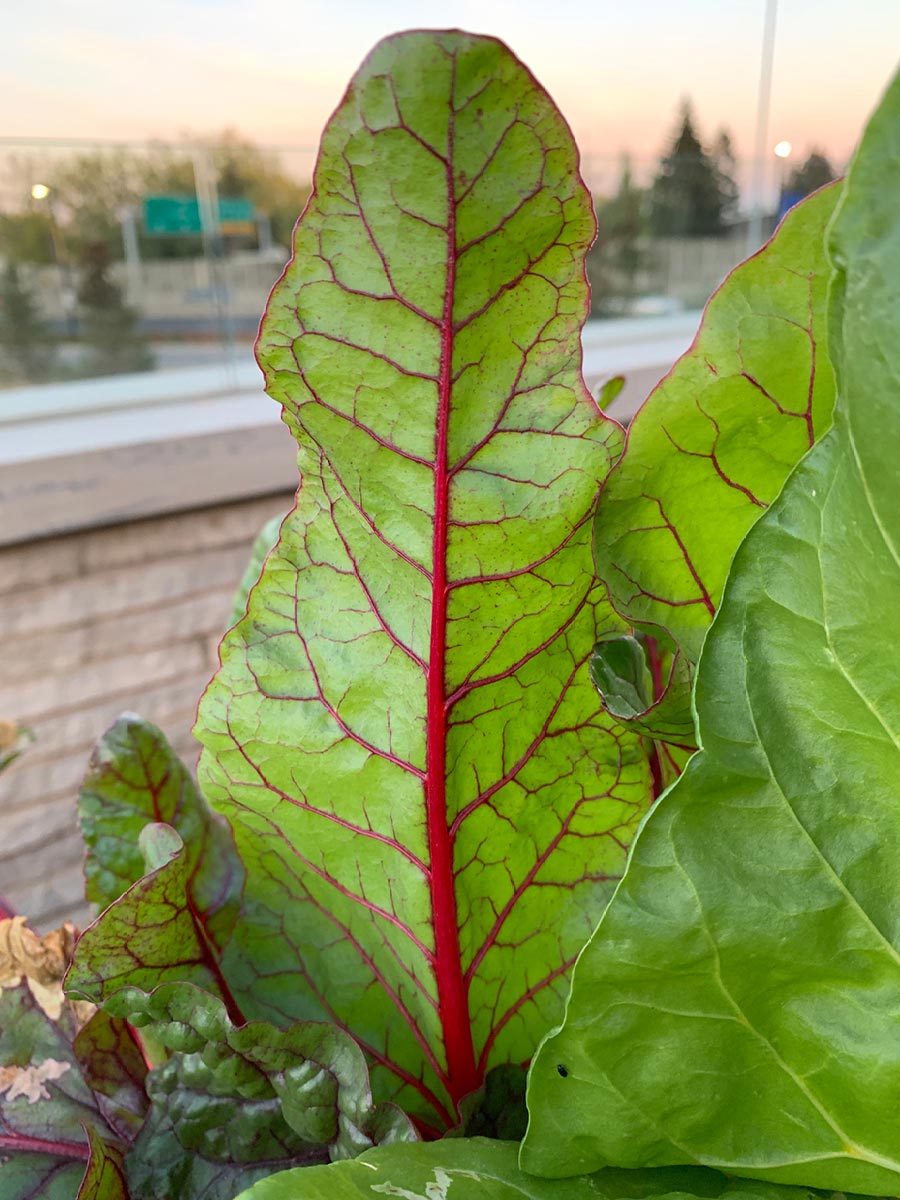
[{"x": 274, "y": 71}]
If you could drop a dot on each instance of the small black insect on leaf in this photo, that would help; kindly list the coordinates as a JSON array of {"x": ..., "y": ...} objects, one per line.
[{"x": 562, "y": 1070}]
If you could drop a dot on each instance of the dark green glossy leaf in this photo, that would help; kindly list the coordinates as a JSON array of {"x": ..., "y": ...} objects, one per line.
[
  {"x": 498, "y": 1110},
  {"x": 231, "y": 1105},
  {"x": 739, "y": 1003},
  {"x": 482, "y": 1169},
  {"x": 623, "y": 674},
  {"x": 715, "y": 441},
  {"x": 403, "y": 731}
]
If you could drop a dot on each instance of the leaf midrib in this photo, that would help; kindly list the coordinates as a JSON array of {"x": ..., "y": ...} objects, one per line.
[{"x": 452, "y": 990}]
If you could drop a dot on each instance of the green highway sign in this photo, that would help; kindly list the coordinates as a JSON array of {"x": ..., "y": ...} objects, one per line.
[
  {"x": 172, "y": 214},
  {"x": 236, "y": 215},
  {"x": 181, "y": 215}
]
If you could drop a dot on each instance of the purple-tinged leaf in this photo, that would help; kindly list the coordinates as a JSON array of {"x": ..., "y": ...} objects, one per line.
[
  {"x": 114, "y": 1069},
  {"x": 156, "y": 933},
  {"x": 134, "y": 779},
  {"x": 31, "y": 1176},
  {"x": 403, "y": 732},
  {"x": 104, "y": 1178},
  {"x": 497, "y": 1109},
  {"x": 46, "y": 1104},
  {"x": 715, "y": 441},
  {"x": 230, "y": 1106},
  {"x": 149, "y": 831}
]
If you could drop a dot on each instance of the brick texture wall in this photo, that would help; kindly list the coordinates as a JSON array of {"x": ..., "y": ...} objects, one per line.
[{"x": 94, "y": 624}]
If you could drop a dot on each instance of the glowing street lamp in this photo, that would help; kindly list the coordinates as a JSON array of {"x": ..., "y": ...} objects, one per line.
[
  {"x": 782, "y": 151},
  {"x": 40, "y": 191}
]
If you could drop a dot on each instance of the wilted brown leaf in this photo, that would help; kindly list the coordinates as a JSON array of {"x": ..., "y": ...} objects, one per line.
[
  {"x": 9, "y": 733},
  {"x": 23, "y": 952},
  {"x": 29, "y": 1081},
  {"x": 42, "y": 962}
]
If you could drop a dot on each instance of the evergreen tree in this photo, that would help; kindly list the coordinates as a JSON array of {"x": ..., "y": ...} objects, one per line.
[
  {"x": 813, "y": 174},
  {"x": 27, "y": 347},
  {"x": 618, "y": 254},
  {"x": 688, "y": 198},
  {"x": 725, "y": 163},
  {"x": 108, "y": 326}
]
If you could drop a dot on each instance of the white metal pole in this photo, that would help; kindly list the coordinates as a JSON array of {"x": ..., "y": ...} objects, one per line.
[
  {"x": 132, "y": 255},
  {"x": 760, "y": 150}
]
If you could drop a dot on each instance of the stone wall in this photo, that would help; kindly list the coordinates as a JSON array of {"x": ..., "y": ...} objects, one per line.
[{"x": 94, "y": 624}]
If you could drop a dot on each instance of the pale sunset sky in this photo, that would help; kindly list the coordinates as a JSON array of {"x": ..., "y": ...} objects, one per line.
[{"x": 275, "y": 69}]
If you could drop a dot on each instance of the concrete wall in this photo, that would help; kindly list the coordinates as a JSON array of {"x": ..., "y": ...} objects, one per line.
[{"x": 93, "y": 624}]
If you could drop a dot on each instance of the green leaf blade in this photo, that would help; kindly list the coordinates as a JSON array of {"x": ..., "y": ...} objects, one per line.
[
  {"x": 408, "y": 689},
  {"x": 484, "y": 1169},
  {"x": 104, "y": 1177},
  {"x": 739, "y": 1002},
  {"x": 720, "y": 435}
]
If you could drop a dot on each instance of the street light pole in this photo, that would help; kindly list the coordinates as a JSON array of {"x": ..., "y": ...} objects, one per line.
[
  {"x": 782, "y": 151},
  {"x": 760, "y": 157},
  {"x": 41, "y": 192},
  {"x": 132, "y": 249}
]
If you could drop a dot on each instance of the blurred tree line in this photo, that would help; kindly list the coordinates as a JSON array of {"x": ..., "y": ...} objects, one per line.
[
  {"x": 693, "y": 194},
  {"x": 91, "y": 191},
  {"x": 78, "y": 226}
]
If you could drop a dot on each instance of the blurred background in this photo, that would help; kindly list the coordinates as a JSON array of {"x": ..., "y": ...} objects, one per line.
[{"x": 153, "y": 162}]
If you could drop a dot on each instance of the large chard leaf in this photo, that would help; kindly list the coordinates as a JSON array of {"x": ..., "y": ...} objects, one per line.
[
  {"x": 482, "y": 1169},
  {"x": 739, "y": 1003},
  {"x": 713, "y": 445},
  {"x": 402, "y": 731}
]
